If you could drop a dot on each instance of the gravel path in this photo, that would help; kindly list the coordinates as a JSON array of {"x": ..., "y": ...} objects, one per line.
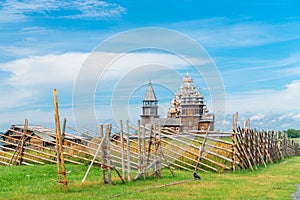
[{"x": 296, "y": 195}]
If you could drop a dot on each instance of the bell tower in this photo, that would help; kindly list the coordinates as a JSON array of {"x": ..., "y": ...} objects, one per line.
[{"x": 149, "y": 108}]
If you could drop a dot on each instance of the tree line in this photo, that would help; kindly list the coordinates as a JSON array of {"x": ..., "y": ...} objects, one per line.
[{"x": 293, "y": 133}]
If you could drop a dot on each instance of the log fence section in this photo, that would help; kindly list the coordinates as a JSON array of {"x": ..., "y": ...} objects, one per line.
[{"x": 133, "y": 151}]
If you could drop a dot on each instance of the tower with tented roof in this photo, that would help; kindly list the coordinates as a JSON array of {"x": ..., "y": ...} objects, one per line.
[{"x": 149, "y": 108}]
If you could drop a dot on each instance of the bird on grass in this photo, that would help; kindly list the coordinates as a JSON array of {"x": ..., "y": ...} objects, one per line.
[{"x": 196, "y": 176}]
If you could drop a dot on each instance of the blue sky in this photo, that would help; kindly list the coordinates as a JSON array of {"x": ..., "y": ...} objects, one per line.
[{"x": 254, "y": 44}]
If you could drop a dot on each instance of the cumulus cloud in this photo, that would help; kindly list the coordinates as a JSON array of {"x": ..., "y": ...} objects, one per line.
[
  {"x": 257, "y": 117},
  {"x": 43, "y": 70},
  {"x": 285, "y": 100},
  {"x": 268, "y": 120}
]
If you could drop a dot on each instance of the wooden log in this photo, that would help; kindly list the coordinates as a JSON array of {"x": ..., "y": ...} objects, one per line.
[
  {"x": 186, "y": 157},
  {"x": 182, "y": 163},
  {"x": 241, "y": 144},
  {"x": 64, "y": 146},
  {"x": 5, "y": 163},
  {"x": 52, "y": 150},
  {"x": 167, "y": 162},
  {"x": 139, "y": 148},
  {"x": 61, "y": 171},
  {"x": 8, "y": 159},
  {"x": 209, "y": 138},
  {"x": 128, "y": 152},
  {"x": 144, "y": 152},
  {"x": 149, "y": 145},
  {"x": 191, "y": 145},
  {"x": 233, "y": 149},
  {"x": 201, "y": 151},
  {"x": 29, "y": 154},
  {"x": 194, "y": 154},
  {"x": 103, "y": 154},
  {"x": 245, "y": 142},
  {"x": 25, "y": 158},
  {"x": 152, "y": 164},
  {"x": 208, "y": 144},
  {"x": 159, "y": 149},
  {"x": 92, "y": 162},
  {"x": 258, "y": 149},
  {"x": 155, "y": 149},
  {"x": 122, "y": 150},
  {"x": 20, "y": 147},
  {"x": 108, "y": 160}
]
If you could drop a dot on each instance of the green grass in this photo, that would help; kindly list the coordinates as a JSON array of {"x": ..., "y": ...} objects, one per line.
[
  {"x": 296, "y": 140},
  {"x": 277, "y": 181}
]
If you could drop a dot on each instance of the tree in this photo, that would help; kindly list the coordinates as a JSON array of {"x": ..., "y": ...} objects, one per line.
[{"x": 293, "y": 133}]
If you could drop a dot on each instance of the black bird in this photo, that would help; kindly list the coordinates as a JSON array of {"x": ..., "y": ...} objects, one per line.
[{"x": 196, "y": 176}]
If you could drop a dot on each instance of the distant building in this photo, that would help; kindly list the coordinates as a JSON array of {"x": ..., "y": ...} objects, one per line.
[
  {"x": 150, "y": 108},
  {"x": 36, "y": 137},
  {"x": 186, "y": 112}
]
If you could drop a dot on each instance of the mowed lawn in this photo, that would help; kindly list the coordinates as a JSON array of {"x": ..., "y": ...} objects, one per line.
[{"x": 277, "y": 181}]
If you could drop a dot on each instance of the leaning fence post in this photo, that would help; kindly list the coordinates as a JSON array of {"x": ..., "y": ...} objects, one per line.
[
  {"x": 103, "y": 154},
  {"x": 233, "y": 146},
  {"x": 159, "y": 151},
  {"x": 144, "y": 151},
  {"x": 122, "y": 150},
  {"x": 108, "y": 163},
  {"x": 139, "y": 147},
  {"x": 128, "y": 152}
]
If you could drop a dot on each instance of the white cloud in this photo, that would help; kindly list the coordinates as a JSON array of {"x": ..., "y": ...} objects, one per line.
[
  {"x": 257, "y": 117},
  {"x": 94, "y": 9},
  {"x": 286, "y": 116},
  {"x": 285, "y": 100},
  {"x": 32, "y": 29},
  {"x": 43, "y": 70},
  {"x": 18, "y": 51},
  {"x": 297, "y": 116}
]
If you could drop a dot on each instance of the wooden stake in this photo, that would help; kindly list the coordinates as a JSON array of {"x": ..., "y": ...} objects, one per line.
[
  {"x": 233, "y": 146},
  {"x": 95, "y": 156},
  {"x": 201, "y": 151},
  {"x": 108, "y": 161},
  {"x": 20, "y": 148},
  {"x": 122, "y": 150},
  {"x": 128, "y": 152},
  {"x": 159, "y": 151},
  {"x": 61, "y": 171},
  {"x": 63, "y": 132},
  {"x": 144, "y": 151},
  {"x": 103, "y": 154},
  {"x": 139, "y": 148}
]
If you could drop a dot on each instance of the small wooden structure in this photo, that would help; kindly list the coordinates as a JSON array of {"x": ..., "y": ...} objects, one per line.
[{"x": 35, "y": 135}]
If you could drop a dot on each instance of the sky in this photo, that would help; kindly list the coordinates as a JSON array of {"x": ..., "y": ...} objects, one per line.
[{"x": 253, "y": 44}]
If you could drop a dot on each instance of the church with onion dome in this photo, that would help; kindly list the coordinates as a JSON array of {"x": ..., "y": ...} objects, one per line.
[{"x": 187, "y": 110}]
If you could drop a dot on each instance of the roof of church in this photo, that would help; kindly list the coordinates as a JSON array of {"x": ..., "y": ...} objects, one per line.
[
  {"x": 150, "y": 95},
  {"x": 187, "y": 78}
]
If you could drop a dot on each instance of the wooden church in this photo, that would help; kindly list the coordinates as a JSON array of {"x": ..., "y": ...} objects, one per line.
[{"x": 186, "y": 112}]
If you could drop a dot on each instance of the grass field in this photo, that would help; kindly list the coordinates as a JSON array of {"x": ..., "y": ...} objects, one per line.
[
  {"x": 277, "y": 181},
  {"x": 296, "y": 139}
]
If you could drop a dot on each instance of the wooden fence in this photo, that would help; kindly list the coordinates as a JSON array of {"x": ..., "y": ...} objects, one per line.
[{"x": 141, "y": 151}]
